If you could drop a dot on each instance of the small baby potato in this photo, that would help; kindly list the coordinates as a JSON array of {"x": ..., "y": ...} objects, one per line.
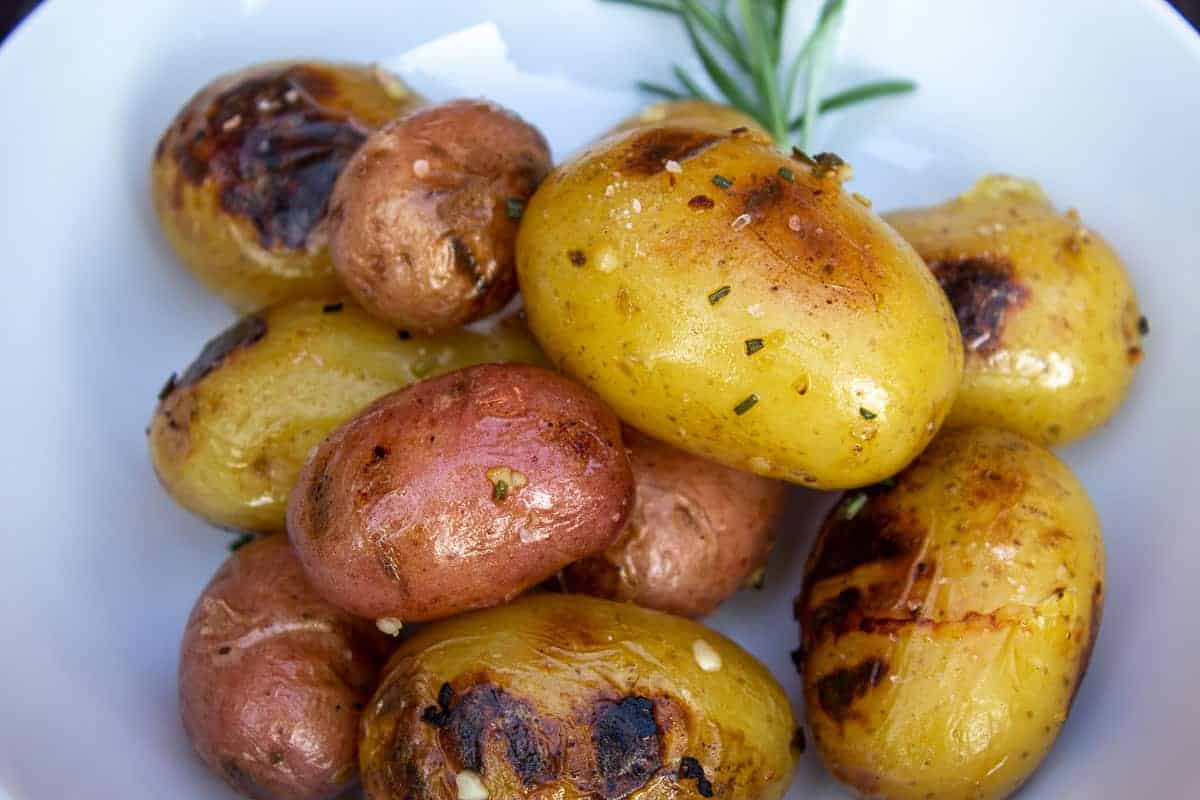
[
  {"x": 242, "y": 177},
  {"x": 948, "y": 617},
  {"x": 697, "y": 534},
  {"x": 573, "y": 697},
  {"x": 460, "y": 492},
  {"x": 230, "y": 436},
  {"x": 1049, "y": 319},
  {"x": 272, "y": 678},
  {"x": 425, "y": 216},
  {"x": 701, "y": 114}
]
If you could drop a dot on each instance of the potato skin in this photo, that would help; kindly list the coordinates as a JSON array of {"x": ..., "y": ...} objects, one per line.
[
  {"x": 229, "y": 437},
  {"x": 1049, "y": 318},
  {"x": 701, "y": 114},
  {"x": 776, "y": 326},
  {"x": 947, "y": 622},
  {"x": 272, "y": 678},
  {"x": 423, "y": 235},
  {"x": 242, "y": 176},
  {"x": 570, "y": 696},
  {"x": 697, "y": 533},
  {"x": 460, "y": 492}
]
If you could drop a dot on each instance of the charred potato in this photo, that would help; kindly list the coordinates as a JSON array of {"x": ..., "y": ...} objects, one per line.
[
  {"x": 425, "y": 214},
  {"x": 698, "y": 532},
  {"x": 569, "y": 696},
  {"x": 1050, "y": 323},
  {"x": 242, "y": 176},
  {"x": 695, "y": 114},
  {"x": 272, "y": 678},
  {"x": 739, "y": 305},
  {"x": 460, "y": 492},
  {"x": 230, "y": 435},
  {"x": 948, "y": 620}
]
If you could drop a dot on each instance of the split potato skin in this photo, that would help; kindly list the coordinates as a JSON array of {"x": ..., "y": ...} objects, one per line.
[
  {"x": 698, "y": 533},
  {"x": 460, "y": 492},
  {"x": 571, "y": 696},
  {"x": 773, "y": 324},
  {"x": 230, "y": 436},
  {"x": 242, "y": 176},
  {"x": 272, "y": 679},
  {"x": 947, "y": 621},
  {"x": 425, "y": 215},
  {"x": 1049, "y": 318}
]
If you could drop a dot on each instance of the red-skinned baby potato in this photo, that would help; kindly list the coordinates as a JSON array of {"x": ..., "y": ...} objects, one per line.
[
  {"x": 272, "y": 678},
  {"x": 697, "y": 533},
  {"x": 460, "y": 492},
  {"x": 425, "y": 215}
]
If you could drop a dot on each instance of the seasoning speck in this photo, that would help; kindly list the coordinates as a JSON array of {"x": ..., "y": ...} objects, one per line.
[
  {"x": 738, "y": 130},
  {"x": 753, "y": 346},
  {"x": 514, "y": 208},
  {"x": 854, "y": 505},
  {"x": 421, "y": 168},
  {"x": 636, "y": 205},
  {"x": 787, "y": 174},
  {"x": 673, "y": 167},
  {"x": 504, "y": 480},
  {"x": 700, "y": 202},
  {"x": 389, "y": 625},
  {"x": 747, "y": 404},
  {"x": 1143, "y": 326},
  {"x": 331, "y": 308},
  {"x": 470, "y": 785},
  {"x": 717, "y": 296},
  {"x": 794, "y": 222},
  {"x": 403, "y": 335},
  {"x": 721, "y": 182},
  {"x": 740, "y": 222},
  {"x": 706, "y": 657},
  {"x": 866, "y": 201},
  {"x": 867, "y": 413},
  {"x": 232, "y": 123},
  {"x": 578, "y": 258}
]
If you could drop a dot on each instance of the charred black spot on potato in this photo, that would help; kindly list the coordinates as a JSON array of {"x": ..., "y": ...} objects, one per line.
[
  {"x": 838, "y": 691},
  {"x": 466, "y": 263},
  {"x": 379, "y": 453},
  {"x": 869, "y": 536},
  {"x": 982, "y": 292},
  {"x": 439, "y": 715},
  {"x": 649, "y": 151},
  {"x": 243, "y": 333},
  {"x": 833, "y": 615},
  {"x": 273, "y": 149},
  {"x": 578, "y": 257},
  {"x": 486, "y": 710},
  {"x": 1085, "y": 657},
  {"x": 625, "y": 740},
  {"x": 691, "y": 769}
]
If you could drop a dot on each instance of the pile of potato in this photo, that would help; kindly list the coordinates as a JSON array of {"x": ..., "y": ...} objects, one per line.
[{"x": 705, "y": 320}]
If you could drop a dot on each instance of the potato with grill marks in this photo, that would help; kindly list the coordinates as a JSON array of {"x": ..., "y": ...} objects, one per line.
[{"x": 948, "y": 617}]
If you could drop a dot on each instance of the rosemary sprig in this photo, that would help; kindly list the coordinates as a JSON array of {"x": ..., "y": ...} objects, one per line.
[{"x": 745, "y": 62}]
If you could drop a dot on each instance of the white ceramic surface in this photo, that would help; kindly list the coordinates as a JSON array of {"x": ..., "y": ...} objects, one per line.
[{"x": 1098, "y": 100}]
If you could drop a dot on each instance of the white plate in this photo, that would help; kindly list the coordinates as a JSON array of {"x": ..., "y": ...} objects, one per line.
[{"x": 1097, "y": 100}]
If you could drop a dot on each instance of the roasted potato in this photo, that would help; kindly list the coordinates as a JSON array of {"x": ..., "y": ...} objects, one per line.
[
  {"x": 241, "y": 178},
  {"x": 1050, "y": 323},
  {"x": 740, "y": 305},
  {"x": 425, "y": 215},
  {"x": 272, "y": 678},
  {"x": 229, "y": 437},
  {"x": 695, "y": 114},
  {"x": 698, "y": 532},
  {"x": 948, "y": 618},
  {"x": 569, "y": 696},
  {"x": 460, "y": 492}
]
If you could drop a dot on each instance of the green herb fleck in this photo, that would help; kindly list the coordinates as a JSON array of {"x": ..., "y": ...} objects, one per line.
[
  {"x": 747, "y": 404},
  {"x": 787, "y": 174},
  {"x": 514, "y": 208},
  {"x": 753, "y": 346},
  {"x": 1143, "y": 326},
  {"x": 721, "y": 182},
  {"x": 718, "y": 295},
  {"x": 422, "y": 367},
  {"x": 854, "y": 505},
  {"x": 867, "y": 413},
  {"x": 499, "y": 490},
  {"x": 240, "y": 542}
]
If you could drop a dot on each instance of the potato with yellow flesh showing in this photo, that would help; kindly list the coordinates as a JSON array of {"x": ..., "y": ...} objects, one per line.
[
  {"x": 739, "y": 305},
  {"x": 570, "y": 696},
  {"x": 701, "y": 114},
  {"x": 948, "y": 618},
  {"x": 230, "y": 435},
  {"x": 241, "y": 179},
  {"x": 1050, "y": 322}
]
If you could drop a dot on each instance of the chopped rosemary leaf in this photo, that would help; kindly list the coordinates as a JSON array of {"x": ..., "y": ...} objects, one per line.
[
  {"x": 787, "y": 174},
  {"x": 854, "y": 505},
  {"x": 499, "y": 491},
  {"x": 867, "y": 413},
  {"x": 721, "y": 182},
  {"x": 716, "y": 296},
  {"x": 753, "y": 346},
  {"x": 747, "y": 404},
  {"x": 514, "y": 208}
]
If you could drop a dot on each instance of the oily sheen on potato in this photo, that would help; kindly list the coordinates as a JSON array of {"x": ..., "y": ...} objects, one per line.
[
  {"x": 740, "y": 305},
  {"x": 460, "y": 492},
  {"x": 948, "y": 618},
  {"x": 1049, "y": 319},
  {"x": 230, "y": 434},
  {"x": 241, "y": 179},
  {"x": 570, "y": 696}
]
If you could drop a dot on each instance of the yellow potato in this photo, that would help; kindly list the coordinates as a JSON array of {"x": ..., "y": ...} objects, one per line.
[
  {"x": 695, "y": 114},
  {"x": 561, "y": 696},
  {"x": 230, "y": 436},
  {"x": 948, "y": 618},
  {"x": 739, "y": 305},
  {"x": 1049, "y": 318}
]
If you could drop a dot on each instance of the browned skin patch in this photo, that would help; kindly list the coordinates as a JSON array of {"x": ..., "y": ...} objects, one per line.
[
  {"x": 838, "y": 691},
  {"x": 274, "y": 150},
  {"x": 532, "y": 746},
  {"x": 761, "y": 197},
  {"x": 982, "y": 292},
  {"x": 243, "y": 333},
  {"x": 648, "y": 152},
  {"x": 578, "y": 258},
  {"x": 871, "y": 535},
  {"x": 626, "y": 743},
  {"x": 1085, "y": 657},
  {"x": 700, "y": 202}
]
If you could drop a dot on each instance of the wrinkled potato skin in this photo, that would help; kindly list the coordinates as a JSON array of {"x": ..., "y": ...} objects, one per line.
[
  {"x": 694, "y": 114},
  {"x": 430, "y": 247},
  {"x": 1049, "y": 317},
  {"x": 697, "y": 533},
  {"x": 850, "y": 319},
  {"x": 947, "y": 625},
  {"x": 396, "y": 514},
  {"x": 272, "y": 678},
  {"x": 229, "y": 437},
  {"x": 558, "y": 659},
  {"x": 251, "y": 239}
]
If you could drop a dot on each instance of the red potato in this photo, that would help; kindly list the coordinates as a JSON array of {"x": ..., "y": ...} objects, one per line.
[
  {"x": 272, "y": 678},
  {"x": 460, "y": 492}
]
